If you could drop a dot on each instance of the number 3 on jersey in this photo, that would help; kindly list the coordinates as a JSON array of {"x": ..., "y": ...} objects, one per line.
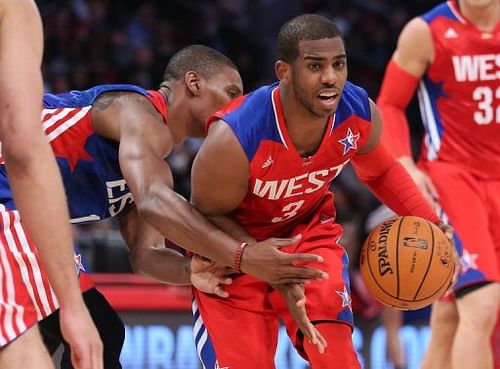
[
  {"x": 289, "y": 210},
  {"x": 489, "y": 108}
]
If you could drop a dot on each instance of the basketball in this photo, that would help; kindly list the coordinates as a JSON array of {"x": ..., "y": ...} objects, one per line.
[{"x": 407, "y": 262}]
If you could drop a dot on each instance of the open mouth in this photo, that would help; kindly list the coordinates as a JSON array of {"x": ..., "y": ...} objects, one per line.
[{"x": 328, "y": 99}]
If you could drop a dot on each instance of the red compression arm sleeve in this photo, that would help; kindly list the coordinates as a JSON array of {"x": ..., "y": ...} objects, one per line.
[
  {"x": 390, "y": 182},
  {"x": 398, "y": 87}
]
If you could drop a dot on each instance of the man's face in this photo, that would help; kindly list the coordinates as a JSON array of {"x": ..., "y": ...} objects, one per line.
[
  {"x": 218, "y": 91},
  {"x": 318, "y": 75}
]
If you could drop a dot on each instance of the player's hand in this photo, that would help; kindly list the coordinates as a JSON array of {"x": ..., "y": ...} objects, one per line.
[
  {"x": 208, "y": 277},
  {"x": 449, "y": 231},
  {"x": 265, "y": 261},
  {"x": 422, "y": 180},
  {"x": 296, "y": 301},
  {"x": 79, "y": 331}
]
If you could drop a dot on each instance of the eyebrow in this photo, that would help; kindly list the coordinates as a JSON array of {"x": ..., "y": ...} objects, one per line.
[{"x": 314, "y": 57}]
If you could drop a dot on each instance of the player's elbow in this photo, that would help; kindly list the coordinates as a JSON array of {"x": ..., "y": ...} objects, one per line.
[
  {"x": 158, "y": 207},
  {"x": 137, "y": 258}
]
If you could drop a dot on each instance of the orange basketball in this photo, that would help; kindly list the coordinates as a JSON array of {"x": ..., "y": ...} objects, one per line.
[{"x": 407, "y": 262}]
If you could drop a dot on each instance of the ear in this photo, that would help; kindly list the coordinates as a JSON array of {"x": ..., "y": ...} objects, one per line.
[
  {"x": 193, "y": 82},
  {"x": 282, "y": 70}
]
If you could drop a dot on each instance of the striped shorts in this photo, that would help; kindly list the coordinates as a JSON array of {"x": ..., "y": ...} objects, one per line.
[{"x": 25, "y": 294}]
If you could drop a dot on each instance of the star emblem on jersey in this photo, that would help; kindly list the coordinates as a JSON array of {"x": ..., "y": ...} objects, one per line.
[
  {"x": 468, "y": 261},
  {"x": 346, "y": 299},
  {"x": 78, "y": 264},
  {"x": 350, "y": 141}
]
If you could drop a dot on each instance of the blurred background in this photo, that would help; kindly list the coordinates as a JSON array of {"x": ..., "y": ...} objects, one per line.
[{"x": 91, "y": 42}]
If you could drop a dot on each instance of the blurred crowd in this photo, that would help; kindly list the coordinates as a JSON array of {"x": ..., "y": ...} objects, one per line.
[{"x": 90, "y": 42}]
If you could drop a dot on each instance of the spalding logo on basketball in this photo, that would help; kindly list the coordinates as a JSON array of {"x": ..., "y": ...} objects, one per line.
[{"x": 407, "y": 263}]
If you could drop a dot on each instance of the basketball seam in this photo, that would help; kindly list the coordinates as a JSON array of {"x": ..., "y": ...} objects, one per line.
[
  {"x": 447, "y": 281},
  {"x": 397, "y": 258},
  {"x": 373, "y": 276},
  {"x": 428, "y": 265}
]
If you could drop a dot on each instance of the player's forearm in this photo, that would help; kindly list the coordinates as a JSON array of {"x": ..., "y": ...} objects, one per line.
[
  {"x": 391, "y": 183},
  {"x": 177, "y": 220},
  {"x": 162, "y": 264},
  {"x": 232, "y": 228},
  {"x": 398, "y": 87},
  {"x": 39, "y": 196}
]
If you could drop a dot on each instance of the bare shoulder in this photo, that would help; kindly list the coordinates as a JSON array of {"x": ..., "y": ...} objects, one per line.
[
  {"x": 220, "y": 171},
  {"x": 415, "y": 30},
  {"x": 24, "y": 11},
  {"x": 119, "y": 113},
  {"x": 415, "y": 49},
  {"x": 221, "y": 144},
  {"x": 122, "y": 100}
]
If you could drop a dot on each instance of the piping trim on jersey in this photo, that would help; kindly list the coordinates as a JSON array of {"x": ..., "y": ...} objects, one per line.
[
  {"x": 429, "y": 121},
  {"x": 204, "y": 347},
  {"x": 333, "y": 122},
  {"x": 456, "y": 12},
  {"x": 88, "y": 218},
  {"x": 276, "y": 118}
]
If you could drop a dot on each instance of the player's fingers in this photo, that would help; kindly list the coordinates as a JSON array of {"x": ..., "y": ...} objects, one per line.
[
  {"x": 203, "y": 261},
  {"x": 447, "y": 230},
  {"x": 303, "y": 258},
  {"x": 283, "y": 242},
  {"x": 220, "y": 292},
  {"x": 227, "y": 281},
  {"x": 287, "y": 280},
  {"x": 301, "y": 302},
  {"x": 305, "y": 272},
  {"x": 81, "y": 358},
  {"x": 97, "y": 355},
  {"x": 322, "y": 344},
  {"x": 323, "y": 340},
  {"x": 300, "y": 276}
]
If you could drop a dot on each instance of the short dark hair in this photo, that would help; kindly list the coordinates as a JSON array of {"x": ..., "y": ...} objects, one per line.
[
  {"x": 201, "y": 59},
  {"x": 303, "y": 27}
]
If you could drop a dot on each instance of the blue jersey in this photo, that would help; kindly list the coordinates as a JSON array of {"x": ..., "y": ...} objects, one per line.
[{"x": 88, "y": 162}]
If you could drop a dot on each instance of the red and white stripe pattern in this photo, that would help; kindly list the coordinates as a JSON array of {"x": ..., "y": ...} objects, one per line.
[
  {"x": 57, "y": 121},
  {"x": 25, "y": 294}
]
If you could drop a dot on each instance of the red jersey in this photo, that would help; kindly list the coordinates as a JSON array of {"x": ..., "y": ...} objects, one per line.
[
  {"x": 460, "y": 93},
  {"x": 285, "y": 189}
]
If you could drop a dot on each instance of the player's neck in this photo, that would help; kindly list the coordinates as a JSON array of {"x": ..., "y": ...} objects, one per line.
[
  {"x": 485, "y": 18},
  {"x": 176, "y": 115},
  {"x": 304, "y": 128}
]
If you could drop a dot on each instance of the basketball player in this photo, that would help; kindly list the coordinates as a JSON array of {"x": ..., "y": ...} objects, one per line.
[
  {"x": 453, "y": 54},
  {"x": 267, "y": 162},
  {"x": 110, "y": 143},
  {"x": 24, "y": 294}
]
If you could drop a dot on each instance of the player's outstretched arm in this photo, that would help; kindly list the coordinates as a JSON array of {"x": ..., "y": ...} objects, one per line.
[
  {"x": 219, "y": 183},
  {"x": 400, "y": 82},
  {"x": 33, "y": 174},
  {"x": 388, "y": 180}
]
